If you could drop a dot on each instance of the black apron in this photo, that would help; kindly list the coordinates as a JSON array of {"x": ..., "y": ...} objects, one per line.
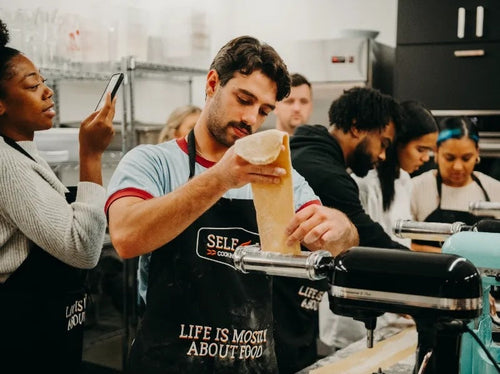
[
  {"x": 295, "y": 307},
  {"x": 451, "y": 216},
  {"x": 202, "y": 315},
  {"x": 42, "y": 310}
]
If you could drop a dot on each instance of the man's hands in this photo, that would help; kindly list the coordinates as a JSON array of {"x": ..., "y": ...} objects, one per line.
[
  {"x": 315, "y": 226},
  {"x": 232, "y": 171},
  {"x": 320, "y": 227}
]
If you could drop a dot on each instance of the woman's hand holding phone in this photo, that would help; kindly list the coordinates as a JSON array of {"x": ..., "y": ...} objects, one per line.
[
  {"x": 96, "y": 131},
  {"x": 112, "y": 87}
]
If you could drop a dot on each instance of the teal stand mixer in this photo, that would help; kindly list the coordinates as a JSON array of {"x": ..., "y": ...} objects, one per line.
[
  {"x": 480, "y": 244},
  {"x": 482, "y": 249}
]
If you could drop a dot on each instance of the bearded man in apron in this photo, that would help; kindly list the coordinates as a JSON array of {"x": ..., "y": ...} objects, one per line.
[{"x": 186, "y": 204}]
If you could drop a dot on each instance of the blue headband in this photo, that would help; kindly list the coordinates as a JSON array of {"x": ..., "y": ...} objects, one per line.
[{"x": 454, "y": 133}]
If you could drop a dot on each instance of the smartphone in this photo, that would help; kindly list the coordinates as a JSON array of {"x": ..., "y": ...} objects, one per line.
[{"x": 112, "y": 86}]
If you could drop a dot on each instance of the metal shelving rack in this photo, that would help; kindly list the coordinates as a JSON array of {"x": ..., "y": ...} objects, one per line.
[
  {"x": 75, "y": 72},
  {"x": 133, "y": 70}
]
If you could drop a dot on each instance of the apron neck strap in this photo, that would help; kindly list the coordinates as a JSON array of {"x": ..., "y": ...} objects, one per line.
[
  {"x": 191, "y": 153},
  {"x": 439, "y": 182},
  {"x": 476, "y": 179},
  {"x": 16, "y": 146}
]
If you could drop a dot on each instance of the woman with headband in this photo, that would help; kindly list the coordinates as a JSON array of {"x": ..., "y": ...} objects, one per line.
[{"x": 443, "y": 195}]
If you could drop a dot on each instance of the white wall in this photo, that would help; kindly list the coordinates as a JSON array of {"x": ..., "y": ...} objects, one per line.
[
  {"x": 114, "y": 28},
  {"x": 281, "y": 21},
  {"x": 162, "y": 31},
  {"x": 276, "y": 21}
]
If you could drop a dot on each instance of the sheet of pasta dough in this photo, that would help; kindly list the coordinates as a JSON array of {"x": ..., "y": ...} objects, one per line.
[{"x": 273, "y": 202}]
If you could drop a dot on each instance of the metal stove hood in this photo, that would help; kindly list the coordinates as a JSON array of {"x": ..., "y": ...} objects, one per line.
[{"x": 332, "y": 60}]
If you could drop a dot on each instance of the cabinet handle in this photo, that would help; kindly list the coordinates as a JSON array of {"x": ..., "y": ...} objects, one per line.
[
  {"x": 461, "y": 23},
  {"x": 479, "y": 21},
  {"x": 469, "y": 53}
]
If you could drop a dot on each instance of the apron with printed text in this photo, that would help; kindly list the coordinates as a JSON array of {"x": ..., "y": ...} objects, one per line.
[
  {"x": 42, "y": 311},
  {"x": 295, "y": 308},
  {"x": 202, "y": 315}
]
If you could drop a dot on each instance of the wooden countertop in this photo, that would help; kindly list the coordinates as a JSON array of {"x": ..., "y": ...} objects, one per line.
[{"x": 393, "y": 353}]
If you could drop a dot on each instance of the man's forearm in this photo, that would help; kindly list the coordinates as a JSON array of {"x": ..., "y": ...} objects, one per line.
[{"x": 139, "y": 226}]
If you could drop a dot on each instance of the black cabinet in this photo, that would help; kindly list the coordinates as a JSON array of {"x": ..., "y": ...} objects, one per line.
[
  {"x": 448, "y": 54},
  {"x": 434, "y": 75},
  {"x": 447, "y": 21}
]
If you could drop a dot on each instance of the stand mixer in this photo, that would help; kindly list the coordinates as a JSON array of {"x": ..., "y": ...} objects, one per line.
[
  {"x": 484, "y": 208},
  {"x": 479, "y": 244},
  {"x": 440, "y": 291}
]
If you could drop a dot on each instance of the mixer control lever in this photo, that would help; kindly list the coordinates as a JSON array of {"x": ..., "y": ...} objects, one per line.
[{"x": 370, "y": 324}]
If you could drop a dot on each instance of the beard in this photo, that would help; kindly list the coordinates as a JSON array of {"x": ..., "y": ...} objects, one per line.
[
  {"x": 360, "y": 161},
  {"x": 218, "y": 128}
]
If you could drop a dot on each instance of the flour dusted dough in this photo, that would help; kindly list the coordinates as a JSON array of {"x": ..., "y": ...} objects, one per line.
[{"x": 273, "y": 202}]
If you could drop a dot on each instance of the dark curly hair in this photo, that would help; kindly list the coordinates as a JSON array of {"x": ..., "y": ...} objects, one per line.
[
  {"x": 365, "y": 108},
  {"x": 6, "y": 55},
  {"x": 4, "y": 34},
  {"x": 246, "y": 54},
  {"x": 416, "y": 121}
]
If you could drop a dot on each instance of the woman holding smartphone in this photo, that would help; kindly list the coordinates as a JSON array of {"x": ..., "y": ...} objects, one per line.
[{"x": 46, "y": 242}]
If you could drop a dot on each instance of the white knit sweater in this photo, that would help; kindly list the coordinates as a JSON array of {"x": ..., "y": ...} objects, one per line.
[{"x": 33, "y": 208}]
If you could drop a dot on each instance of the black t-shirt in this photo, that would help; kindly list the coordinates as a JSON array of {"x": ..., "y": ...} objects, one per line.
[{"x": 317, "y": 156}]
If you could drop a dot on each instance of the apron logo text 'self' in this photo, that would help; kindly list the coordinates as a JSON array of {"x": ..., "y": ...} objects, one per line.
[
  {"x": 222, "y": 242},
  {"x": 218, "y": 244}
]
